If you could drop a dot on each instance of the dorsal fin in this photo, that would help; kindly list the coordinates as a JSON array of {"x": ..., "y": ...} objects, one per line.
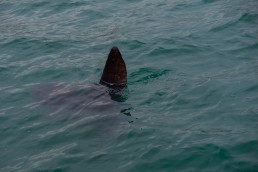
[{"x": 114, "y": 73}]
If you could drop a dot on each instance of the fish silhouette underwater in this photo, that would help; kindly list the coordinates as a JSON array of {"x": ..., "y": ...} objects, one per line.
[
  {"x": 95, "y": 111},
  {"x": 79, "y": 98}
]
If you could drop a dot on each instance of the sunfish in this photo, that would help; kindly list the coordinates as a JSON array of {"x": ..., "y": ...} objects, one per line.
[
  {"x": 97, "y": 110},
  {"x": 111, "y": 89}
]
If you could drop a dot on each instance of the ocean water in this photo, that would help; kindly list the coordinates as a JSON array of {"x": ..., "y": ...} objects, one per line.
[{"x": 192, "y": 101}]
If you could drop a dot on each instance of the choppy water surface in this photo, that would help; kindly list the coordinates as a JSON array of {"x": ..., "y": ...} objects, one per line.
[{"x": 193, "y": 91}]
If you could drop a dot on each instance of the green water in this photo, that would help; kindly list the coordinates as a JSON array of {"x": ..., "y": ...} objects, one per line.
[{"x": 192, "y": 79}]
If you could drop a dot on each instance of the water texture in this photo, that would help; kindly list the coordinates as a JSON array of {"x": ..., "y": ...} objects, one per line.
[{"x": 192, "y": 102}]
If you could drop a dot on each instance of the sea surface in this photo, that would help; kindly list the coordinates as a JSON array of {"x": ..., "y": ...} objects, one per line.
[{"x": 192, "y": 98}]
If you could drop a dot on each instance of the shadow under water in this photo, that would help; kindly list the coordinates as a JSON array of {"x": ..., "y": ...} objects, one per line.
[{"x": 94, "y": 105}]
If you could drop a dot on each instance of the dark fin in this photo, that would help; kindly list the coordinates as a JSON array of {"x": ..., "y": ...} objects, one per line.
[{"x": 114, "y": 73}]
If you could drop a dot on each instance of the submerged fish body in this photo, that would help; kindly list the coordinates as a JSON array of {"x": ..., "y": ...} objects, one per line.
[
  {"x": 87, "y": 109},
  {"x": 92, "y": 108}
]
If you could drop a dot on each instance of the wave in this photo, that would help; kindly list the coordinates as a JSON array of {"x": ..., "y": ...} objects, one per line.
[
  {"x": 245, "y": 17},
  {"x": 146, "y": 75}
]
